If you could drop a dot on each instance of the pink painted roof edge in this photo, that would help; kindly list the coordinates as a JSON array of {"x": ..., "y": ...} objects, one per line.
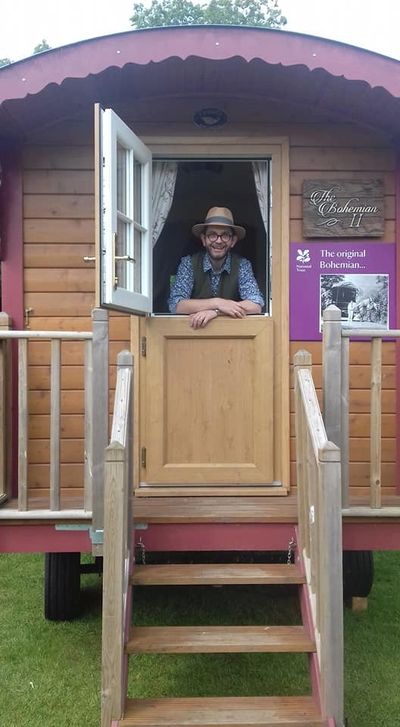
[{"x": 154, "y": 45}]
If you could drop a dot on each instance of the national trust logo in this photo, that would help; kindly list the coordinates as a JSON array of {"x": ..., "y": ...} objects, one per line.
[{"x": 303, "y": 256}]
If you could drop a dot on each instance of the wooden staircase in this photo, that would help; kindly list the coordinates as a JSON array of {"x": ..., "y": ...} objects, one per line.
[
  {"x": 317, "y": 574},
  {"x": 243, "y": 711}
]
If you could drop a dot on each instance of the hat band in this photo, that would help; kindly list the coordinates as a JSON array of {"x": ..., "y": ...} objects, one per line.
[{"x": 219, "y": 221}]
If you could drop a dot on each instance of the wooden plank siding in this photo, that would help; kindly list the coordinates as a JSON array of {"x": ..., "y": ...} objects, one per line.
[
  {"x": 59, "y": 286},
  {"x": 344, "y": 155}
]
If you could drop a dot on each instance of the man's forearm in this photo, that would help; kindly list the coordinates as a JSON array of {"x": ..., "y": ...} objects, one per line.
[
  {"x": 250, "y": 307},
  {"x": 193, "y": 305}
]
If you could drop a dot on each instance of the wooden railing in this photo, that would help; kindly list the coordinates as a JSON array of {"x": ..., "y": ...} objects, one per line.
[
  {"x": 5, "y": 411},
  {"x": 15, "y": 372},
  {"x": 336, "y": 342},
  {"x": 320, "y": 534},
  {"x": 117, "y": 548}
]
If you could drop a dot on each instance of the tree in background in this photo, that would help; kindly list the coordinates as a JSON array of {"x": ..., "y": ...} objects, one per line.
[
  {"x": 328, "y": 282},
  {"x": 161, "y": 13},
  {"x": 43, "y": 45}
]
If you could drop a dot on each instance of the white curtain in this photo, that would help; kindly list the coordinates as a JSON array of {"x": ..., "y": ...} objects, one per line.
[
  {"x": 261, "y": 180},
  {"x": 260, "y": 171},
  {"x": 164, "y": 178}
]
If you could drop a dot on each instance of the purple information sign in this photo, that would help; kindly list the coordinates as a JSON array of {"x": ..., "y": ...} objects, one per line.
[{"x": 359, "y": 278}]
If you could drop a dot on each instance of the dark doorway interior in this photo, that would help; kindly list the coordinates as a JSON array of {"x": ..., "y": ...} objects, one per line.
[{"x": 199, "y": 186}]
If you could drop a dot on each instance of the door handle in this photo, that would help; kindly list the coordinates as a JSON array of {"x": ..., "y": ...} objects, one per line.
[{"x": 115, "y": 258}]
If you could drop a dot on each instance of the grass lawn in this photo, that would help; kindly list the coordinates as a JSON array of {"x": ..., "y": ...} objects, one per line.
[{"x": 50, "y": 672}]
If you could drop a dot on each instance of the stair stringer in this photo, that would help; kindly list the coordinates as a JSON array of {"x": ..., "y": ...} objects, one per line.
[
  {"x": 307, "y": 617},
  {"x": 307, "y": 607}
]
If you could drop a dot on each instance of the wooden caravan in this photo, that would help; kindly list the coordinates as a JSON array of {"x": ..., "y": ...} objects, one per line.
[
  {"x": 250, "y": 152},
  {"x": 110, "y": 150}
]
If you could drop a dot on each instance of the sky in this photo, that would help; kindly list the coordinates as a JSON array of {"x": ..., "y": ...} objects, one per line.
[{"x": 372, "y": 24}]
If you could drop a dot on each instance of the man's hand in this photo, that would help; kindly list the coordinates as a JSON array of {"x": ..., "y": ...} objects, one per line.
[
  {"x": 201, "y": 318},
  {"x": 231, "y": 308}
]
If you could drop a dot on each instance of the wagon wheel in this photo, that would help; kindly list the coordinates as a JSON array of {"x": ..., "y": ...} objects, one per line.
[
  {"x": 358, "y": 573},
  {"x": 61, "y": 586}
]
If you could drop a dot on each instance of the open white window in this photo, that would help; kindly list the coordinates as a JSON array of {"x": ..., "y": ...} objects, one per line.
[{"x": 125, "y": 211}]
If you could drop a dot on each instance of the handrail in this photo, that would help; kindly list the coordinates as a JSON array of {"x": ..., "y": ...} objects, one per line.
[
  {"x": 95, "y": 343},
  {"x": 117, "y": 546},
  {"x": 47, "y": 335},
  {"x": 336, "y": 340},
  {"x": 320, "y": 534}
]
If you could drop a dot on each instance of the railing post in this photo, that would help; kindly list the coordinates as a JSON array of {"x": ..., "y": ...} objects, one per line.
[
  {"x": 55, "y": 424},
  {"x": 116, "y": 549},
  {"x": 331, "y": 373},
  {"x": 88, "y": 427},
  {"x": 99, "y": 428},
  {"x": 301, "y": 360},
  {"x": 5, "y": 418},
  {"x": 335, "y": 384},
  {"x": 345, "y": 414},
  {"x": 376, "y": 424},
  {"x": 331, "y": 583},
  {"x": 23, "y": 424}
]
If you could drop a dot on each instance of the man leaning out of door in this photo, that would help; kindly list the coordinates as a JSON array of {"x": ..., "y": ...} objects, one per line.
[{"x": 215, "y": 281}]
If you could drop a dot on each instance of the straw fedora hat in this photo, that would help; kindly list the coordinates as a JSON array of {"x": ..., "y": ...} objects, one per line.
[{"x": 219, "y": 216}]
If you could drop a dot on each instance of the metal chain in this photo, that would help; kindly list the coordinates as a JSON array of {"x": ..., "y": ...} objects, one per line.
[
  {"x": 291, "y": 548},
  {"x": 140, "y": 552}
]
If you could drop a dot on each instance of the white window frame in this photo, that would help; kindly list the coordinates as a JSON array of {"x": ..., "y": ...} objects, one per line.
[{"x": 113, "y": 132}]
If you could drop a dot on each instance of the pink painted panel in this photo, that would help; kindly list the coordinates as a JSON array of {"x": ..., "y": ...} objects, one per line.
[
  {"x": 42, "y": 539},
  {"x": 397, "y": 235},
  {"x": 12, "y": 293},
  {"x": 371, "y": 536},
  {"x": 128, "y": 622},
  {"x": 12, "y": 236},
  {"x": 308, "y": 623},
  {"x": 220, "y": 536}
]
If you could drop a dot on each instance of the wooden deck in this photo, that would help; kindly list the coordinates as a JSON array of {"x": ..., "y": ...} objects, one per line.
[{"x": 264, "y": 509}]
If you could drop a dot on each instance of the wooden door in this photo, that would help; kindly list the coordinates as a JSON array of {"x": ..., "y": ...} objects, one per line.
[{"x": 207, "y": 404}]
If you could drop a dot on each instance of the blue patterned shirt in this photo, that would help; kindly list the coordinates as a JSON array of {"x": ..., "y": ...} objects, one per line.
[{"x": 182, "y": 288}]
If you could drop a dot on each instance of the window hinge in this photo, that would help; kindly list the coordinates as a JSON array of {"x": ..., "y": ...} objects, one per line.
[
  {"x": 143, "y": 457},
  {"x": 143, "y": 346}
]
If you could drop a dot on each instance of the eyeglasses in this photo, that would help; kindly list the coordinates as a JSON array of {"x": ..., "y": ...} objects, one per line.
[{"x": 224, "y": 236}]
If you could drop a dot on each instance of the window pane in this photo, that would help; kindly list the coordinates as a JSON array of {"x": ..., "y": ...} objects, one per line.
[
  {"x": 122, "y": 179},
  {"x": 138, "y": 261},
  {"x": 137, "y": 191},
  {"x": 121, "y": 249}
]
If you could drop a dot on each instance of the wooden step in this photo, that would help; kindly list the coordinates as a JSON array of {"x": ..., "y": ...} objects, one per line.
[
  {"x": 218, "y": 639},
  {"x": 202, "y": 574},
  {"x": 207, "y": 509},
  {"x": 217, "y": 711}
]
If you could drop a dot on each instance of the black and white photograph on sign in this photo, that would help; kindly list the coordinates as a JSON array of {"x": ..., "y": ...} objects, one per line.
[{"x": 363, "y": 300}]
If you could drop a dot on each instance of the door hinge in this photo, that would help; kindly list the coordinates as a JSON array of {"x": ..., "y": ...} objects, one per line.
[
  {"x": 143, "y": 457},
  {"x": 143, "y": 346}
]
